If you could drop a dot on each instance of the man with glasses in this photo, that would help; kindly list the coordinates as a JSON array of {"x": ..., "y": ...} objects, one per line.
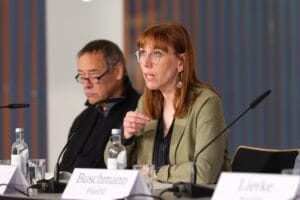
[{"x": 102, "y": 73}]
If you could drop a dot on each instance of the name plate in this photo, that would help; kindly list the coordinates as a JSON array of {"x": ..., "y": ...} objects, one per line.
[
  {"x": 256, "y": 186},
  {"x": 104, "y": 184},
  {"x": 11, "y": 176}
]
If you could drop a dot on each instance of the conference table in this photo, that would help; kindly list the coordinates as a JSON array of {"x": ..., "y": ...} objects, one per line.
[
  {"x": 53, "y": 196},
  {"x": 158, "y": 188}
]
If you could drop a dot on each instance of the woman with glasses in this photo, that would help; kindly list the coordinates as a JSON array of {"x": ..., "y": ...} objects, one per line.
[{"x": 177, "y": 114}]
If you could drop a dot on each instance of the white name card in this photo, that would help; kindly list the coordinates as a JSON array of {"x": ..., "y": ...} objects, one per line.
[
  {"x": 11, "y": 175},
  {"x": 256, "y": 186},
  {"x": 104, "y": 184}
]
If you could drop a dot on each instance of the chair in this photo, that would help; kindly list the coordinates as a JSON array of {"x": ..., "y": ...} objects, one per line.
[{"x": 253, "y": 159}]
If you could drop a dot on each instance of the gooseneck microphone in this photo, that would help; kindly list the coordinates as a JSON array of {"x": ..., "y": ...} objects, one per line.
[
  {"x": 194, "y": 190},
  {"x": 105, "y": 101},
  {"x": 15, "y": 105},
  {"x": 54, "y": 185},
  {"x": 57, "y": 170},
  {"x": 111, "y": 100},
  {"x": 252, "y": 106}
]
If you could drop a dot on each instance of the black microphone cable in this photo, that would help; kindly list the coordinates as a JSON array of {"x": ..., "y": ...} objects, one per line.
[
  {"x": 132, "y": 196},
  {"x": 43, "y": 186},
  {"x": 175, "y": 190}
]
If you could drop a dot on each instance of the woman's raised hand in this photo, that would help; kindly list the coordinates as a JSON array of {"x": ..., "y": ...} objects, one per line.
[{"x": 133, "y": 122}]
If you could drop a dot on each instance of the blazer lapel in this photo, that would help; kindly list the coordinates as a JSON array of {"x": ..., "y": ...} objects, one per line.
[
  {"x": 178, "y": 130},
  {"x": 149, "y": 134},
  {"x": 148, "y": 141}
]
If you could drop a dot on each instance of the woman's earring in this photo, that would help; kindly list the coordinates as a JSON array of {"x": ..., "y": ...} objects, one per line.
[{"x": 179, "y": 83}]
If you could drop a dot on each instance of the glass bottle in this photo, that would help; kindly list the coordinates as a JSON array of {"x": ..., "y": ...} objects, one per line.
[
  {"x": 117, "y": 158},
  {"x": 20, "y": 152}
]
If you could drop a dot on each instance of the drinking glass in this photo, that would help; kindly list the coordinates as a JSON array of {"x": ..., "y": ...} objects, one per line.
[
  {"x": 36, "y": 170},
  {"x": 4, "y": 162},
  {"x": 147, "y": 172}
]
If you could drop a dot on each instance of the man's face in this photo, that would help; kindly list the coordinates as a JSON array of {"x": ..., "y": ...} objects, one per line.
[{"x": 98, "y": 82}]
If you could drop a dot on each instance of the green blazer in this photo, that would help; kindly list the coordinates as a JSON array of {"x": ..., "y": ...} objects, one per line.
[{"x": 203, "y": 122}]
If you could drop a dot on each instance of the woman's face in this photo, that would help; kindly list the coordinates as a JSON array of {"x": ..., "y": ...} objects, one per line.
[{"x": 160, "y": 69}]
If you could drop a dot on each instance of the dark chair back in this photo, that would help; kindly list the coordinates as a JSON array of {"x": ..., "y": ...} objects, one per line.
[{"x": 253, "y": 159}]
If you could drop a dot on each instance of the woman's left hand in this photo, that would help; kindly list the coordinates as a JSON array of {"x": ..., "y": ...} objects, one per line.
[{"x": 133, "y": 122}]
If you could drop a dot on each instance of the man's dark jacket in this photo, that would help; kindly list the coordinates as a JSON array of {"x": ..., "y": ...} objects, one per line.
[{"x": 82, "y": 138}]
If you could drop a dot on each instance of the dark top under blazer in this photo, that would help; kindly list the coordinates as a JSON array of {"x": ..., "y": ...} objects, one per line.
[{"x": 84, "y": 124}]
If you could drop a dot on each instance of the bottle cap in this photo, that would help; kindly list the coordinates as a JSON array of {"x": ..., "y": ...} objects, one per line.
[
  {"x": 115, "y": 131},
  {"x": 19, "y": 130}
]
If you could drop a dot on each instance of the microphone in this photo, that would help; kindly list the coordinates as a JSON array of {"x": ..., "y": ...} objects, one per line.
[
  {"x": 111, "y": 100},
  {"x": 259, "y": 99},
  {"x": 15, "y": 106},
  {"x": 194, "y": 190},
  {"x": 108, "y": 100},
  {"x": 54, "y": 185},
  {"x": 56, "y": 171}
]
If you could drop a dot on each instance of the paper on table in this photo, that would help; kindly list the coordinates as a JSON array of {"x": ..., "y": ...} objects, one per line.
[{"x": 11, "y": 175}]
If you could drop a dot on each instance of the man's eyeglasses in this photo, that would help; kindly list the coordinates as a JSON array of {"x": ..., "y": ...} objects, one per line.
[
  {"x": 154, "y": 56},
  {"x": 81, "y": 78}
]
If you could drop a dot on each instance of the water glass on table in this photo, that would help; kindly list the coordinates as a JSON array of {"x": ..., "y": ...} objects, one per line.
[
  {"x": 4, "y": 162},
  {"x": 147, "y": 172},
  {"x": 36, "y": 170}
]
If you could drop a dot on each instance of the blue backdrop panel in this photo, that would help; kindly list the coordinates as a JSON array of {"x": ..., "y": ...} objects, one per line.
[{"x": 23, "y": 74}]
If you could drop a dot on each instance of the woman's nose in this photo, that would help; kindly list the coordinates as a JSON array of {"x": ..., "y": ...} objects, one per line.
[{"x": 147, "y": 61}]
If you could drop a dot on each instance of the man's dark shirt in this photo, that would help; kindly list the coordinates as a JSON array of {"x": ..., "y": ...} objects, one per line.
[{"x": 91, "y": 131}]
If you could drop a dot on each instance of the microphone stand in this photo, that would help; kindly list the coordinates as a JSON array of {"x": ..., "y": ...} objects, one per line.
[
  {"x": 54, "y": 185},
  {"x": 195, "y": 190}
]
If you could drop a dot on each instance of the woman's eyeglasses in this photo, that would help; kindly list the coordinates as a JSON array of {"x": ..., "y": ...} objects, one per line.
[{"x": 154, "y": 56}]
